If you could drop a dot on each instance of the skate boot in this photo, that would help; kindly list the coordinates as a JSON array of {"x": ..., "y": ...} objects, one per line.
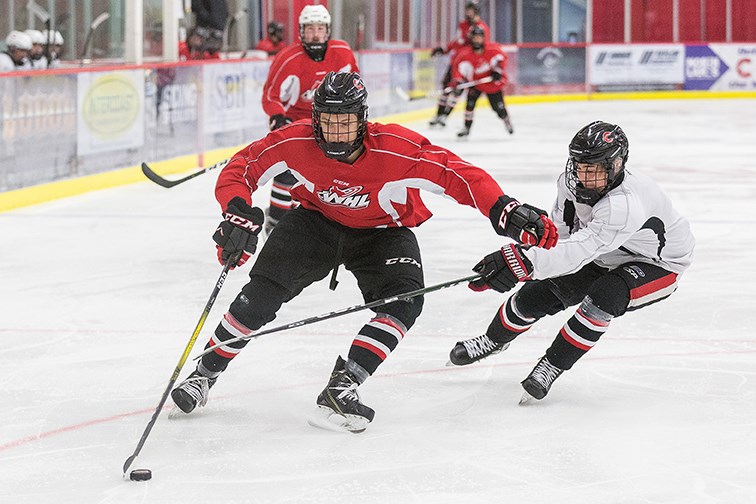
[
  {"x": 192, "y": 392},
  {"x": 508, "y": 125},
  {"x": 539, "y": 381},
  {"x": 464, "y": 132},
  {"x": 339, "y": 406},
  {"x": 439, "y": 120},
  {"x": 474, "y": 349}
]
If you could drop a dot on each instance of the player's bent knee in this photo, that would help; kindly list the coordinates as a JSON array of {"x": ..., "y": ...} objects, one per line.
[
  {"x": 254, "y": 309},
  {"x": 610, "y": 294},
  {"x": 536, "y": 300},
  {"x": 405, "y": 311}
]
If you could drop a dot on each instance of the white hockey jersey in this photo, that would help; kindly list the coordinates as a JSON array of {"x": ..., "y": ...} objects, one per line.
[{"x": 635, "y": 221}]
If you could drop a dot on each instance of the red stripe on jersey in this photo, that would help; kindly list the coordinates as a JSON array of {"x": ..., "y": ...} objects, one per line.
[
  {"x": 367, "y": 346},
  {"x": 597, "y": 323},
  {"x": 572, "y": 341},
  {"x": 656, "y": 285}
]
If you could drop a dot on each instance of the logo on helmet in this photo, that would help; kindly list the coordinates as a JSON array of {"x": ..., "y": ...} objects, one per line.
[{"x": 607, "y": 137}]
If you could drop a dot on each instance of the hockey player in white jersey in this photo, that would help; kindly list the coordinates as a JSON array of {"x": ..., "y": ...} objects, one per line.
[{"x": 625, "y": 248}]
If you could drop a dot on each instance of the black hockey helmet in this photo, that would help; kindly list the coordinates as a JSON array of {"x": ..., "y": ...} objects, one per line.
[
  {"x": 275, "y": 29},
  {"x": 472, "y": 4},
  {"x": 340, "y": 93},
  {"x": 476, "y": 30},
  {"x": 602, "y": 144}
]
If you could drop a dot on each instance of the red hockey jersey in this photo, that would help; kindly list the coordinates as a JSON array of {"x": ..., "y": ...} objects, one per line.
[
  {"x": 468, "y": 65},
  {"x": 294, "y": 76},
  {"x": 463, "y": 39},
  {"x": 380, "y": 189}
]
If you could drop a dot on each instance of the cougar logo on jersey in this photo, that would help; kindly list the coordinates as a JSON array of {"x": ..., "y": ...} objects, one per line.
[
  {"x": 402, "y": 260},
  {"x": 349, "y": 197}
]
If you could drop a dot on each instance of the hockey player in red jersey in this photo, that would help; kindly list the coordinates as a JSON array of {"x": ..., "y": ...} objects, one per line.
[
  {"x": 273, "y": 43},
  {"x": 358, "y": 184},
  {"x": 292, "y": 80},
  {"x": 478, "y": 61},
  {"x": 625, "y": 248},
  {"x": 471, "y": 20}
]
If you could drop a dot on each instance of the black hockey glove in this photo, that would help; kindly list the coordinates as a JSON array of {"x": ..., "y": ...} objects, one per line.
[
  {"x": 436, "y": 51},
  {"x": 502, "y": 270},
  {"x": 278, "y": 120},
  {"x": 522, "y": 222},
  {"x": 238, "y": 231},
  {"x": 496, "y": 76}
]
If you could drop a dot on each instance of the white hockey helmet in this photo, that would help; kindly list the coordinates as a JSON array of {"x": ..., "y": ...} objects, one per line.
[
  {"x": 55, "y": 37},
  {"x": 18, "y": 40},
  {"x": 36, "y": 36},
  {"x": 314, "y": 14},
  {"x": 58, "y": 39}
]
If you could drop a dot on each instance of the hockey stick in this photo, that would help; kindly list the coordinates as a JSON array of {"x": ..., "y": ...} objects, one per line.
[
  {"x": 344, "y": 311},
  {"x": 404, "y": 95},
  {"x": 88, "y": 40},
  {"x": 181, "y": 361},
  {"x": 170, "y": 183}
]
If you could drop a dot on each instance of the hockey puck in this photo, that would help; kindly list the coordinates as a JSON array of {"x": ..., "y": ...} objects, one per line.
[{"x": 140, "y": 475}]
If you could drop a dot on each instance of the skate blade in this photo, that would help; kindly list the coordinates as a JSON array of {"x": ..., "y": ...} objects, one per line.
[
  {"x": 527, "y": 399},
  {"x": 176, "y": 412},
  {"x": 326, "y": 418}
]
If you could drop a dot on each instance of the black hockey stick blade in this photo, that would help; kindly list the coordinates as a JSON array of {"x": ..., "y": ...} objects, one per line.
[
  {"x": 345, "y": 311},
  {"x": 163, "y": 182}
]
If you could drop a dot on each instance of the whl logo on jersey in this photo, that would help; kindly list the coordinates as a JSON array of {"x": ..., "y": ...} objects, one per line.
[{"x": 349, "y": 197}]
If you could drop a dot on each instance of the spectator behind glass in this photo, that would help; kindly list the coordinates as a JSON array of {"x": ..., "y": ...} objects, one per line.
[{"x": 197, "y": 46}]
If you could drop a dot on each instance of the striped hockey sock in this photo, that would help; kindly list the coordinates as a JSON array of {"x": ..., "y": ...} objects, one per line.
[
  {"x": 581, "y": 332},
  {"x": 217, "y": 361},
  {"x": 509, "y": 322},
  {"x": 376, "y": 340}
]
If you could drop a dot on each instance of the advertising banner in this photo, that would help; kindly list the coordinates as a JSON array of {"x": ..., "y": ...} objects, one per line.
[
  {"x": 172, "y": 110},
  {"x": 720, "y": 67},
  {"x": 111, "y": 111},
  {"x": 558, "y": 69},
  {"x": 233, "y": 95},
  {"x": 636, "y": 67},
  {"x": 376, "y": 72},
  {"x": 37, "y": 129}
]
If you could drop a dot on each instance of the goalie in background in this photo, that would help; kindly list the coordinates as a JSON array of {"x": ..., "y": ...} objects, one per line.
[
  {"x": 359, "y": 186},
  {"x": 624, "y": 248}
]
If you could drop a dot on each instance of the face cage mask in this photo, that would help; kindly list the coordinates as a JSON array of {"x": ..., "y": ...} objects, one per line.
[
  {"x": 340, "y": 151},
  {"x": 583, "y": 194}
]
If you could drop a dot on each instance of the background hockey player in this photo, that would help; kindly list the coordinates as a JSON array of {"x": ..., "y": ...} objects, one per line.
[
  {"x": 273, "y": 43},
  {"x": 624, "y": 247},
  {"x": 359, "y": 188},
  {"x": 292, "y": 80},
  {"x": 471, "y": 19},
  {"x": 37, "y": 57},
  {"x": 480, "y": 60},
  {"x": 16, "y": 56},
  {"x": 196, "y": 46}
]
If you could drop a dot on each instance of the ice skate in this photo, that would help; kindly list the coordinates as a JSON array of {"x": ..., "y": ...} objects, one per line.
[
  {"x": 192, "y": 392},
  {"x": 474, "y": 349},
  {"x": 539, "y": 381},
  {"x": 464, "y": 132},
  {"x": 439, "y": 120},
  {"x": 339, "y": 406},
  {"x": 508, "y": 125}
]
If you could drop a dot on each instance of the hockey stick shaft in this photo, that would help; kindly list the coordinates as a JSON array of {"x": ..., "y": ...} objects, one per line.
[
  {"x": 466, "y": 85},
  {"x": 162, "y": 182},
  {"x": 181, "y": 363},
  {"x": 344, "y": 311},
  {"x": 404, "y": 95}
]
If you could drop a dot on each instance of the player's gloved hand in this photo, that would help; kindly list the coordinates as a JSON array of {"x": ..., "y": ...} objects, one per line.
[
  {"x": 522, "y": 222},
  {"x": 238, "y": 231},
  {"x": 496, "y": 76},
  {"x": 436, "y": 51},
  {"x": 502, "y": 270},
  {"x": 278, "y": 120},
  {"x": 454, "y": 87}
]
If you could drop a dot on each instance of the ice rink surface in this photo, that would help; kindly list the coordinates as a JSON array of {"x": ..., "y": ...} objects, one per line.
[{"x": 100, "y": 294}]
